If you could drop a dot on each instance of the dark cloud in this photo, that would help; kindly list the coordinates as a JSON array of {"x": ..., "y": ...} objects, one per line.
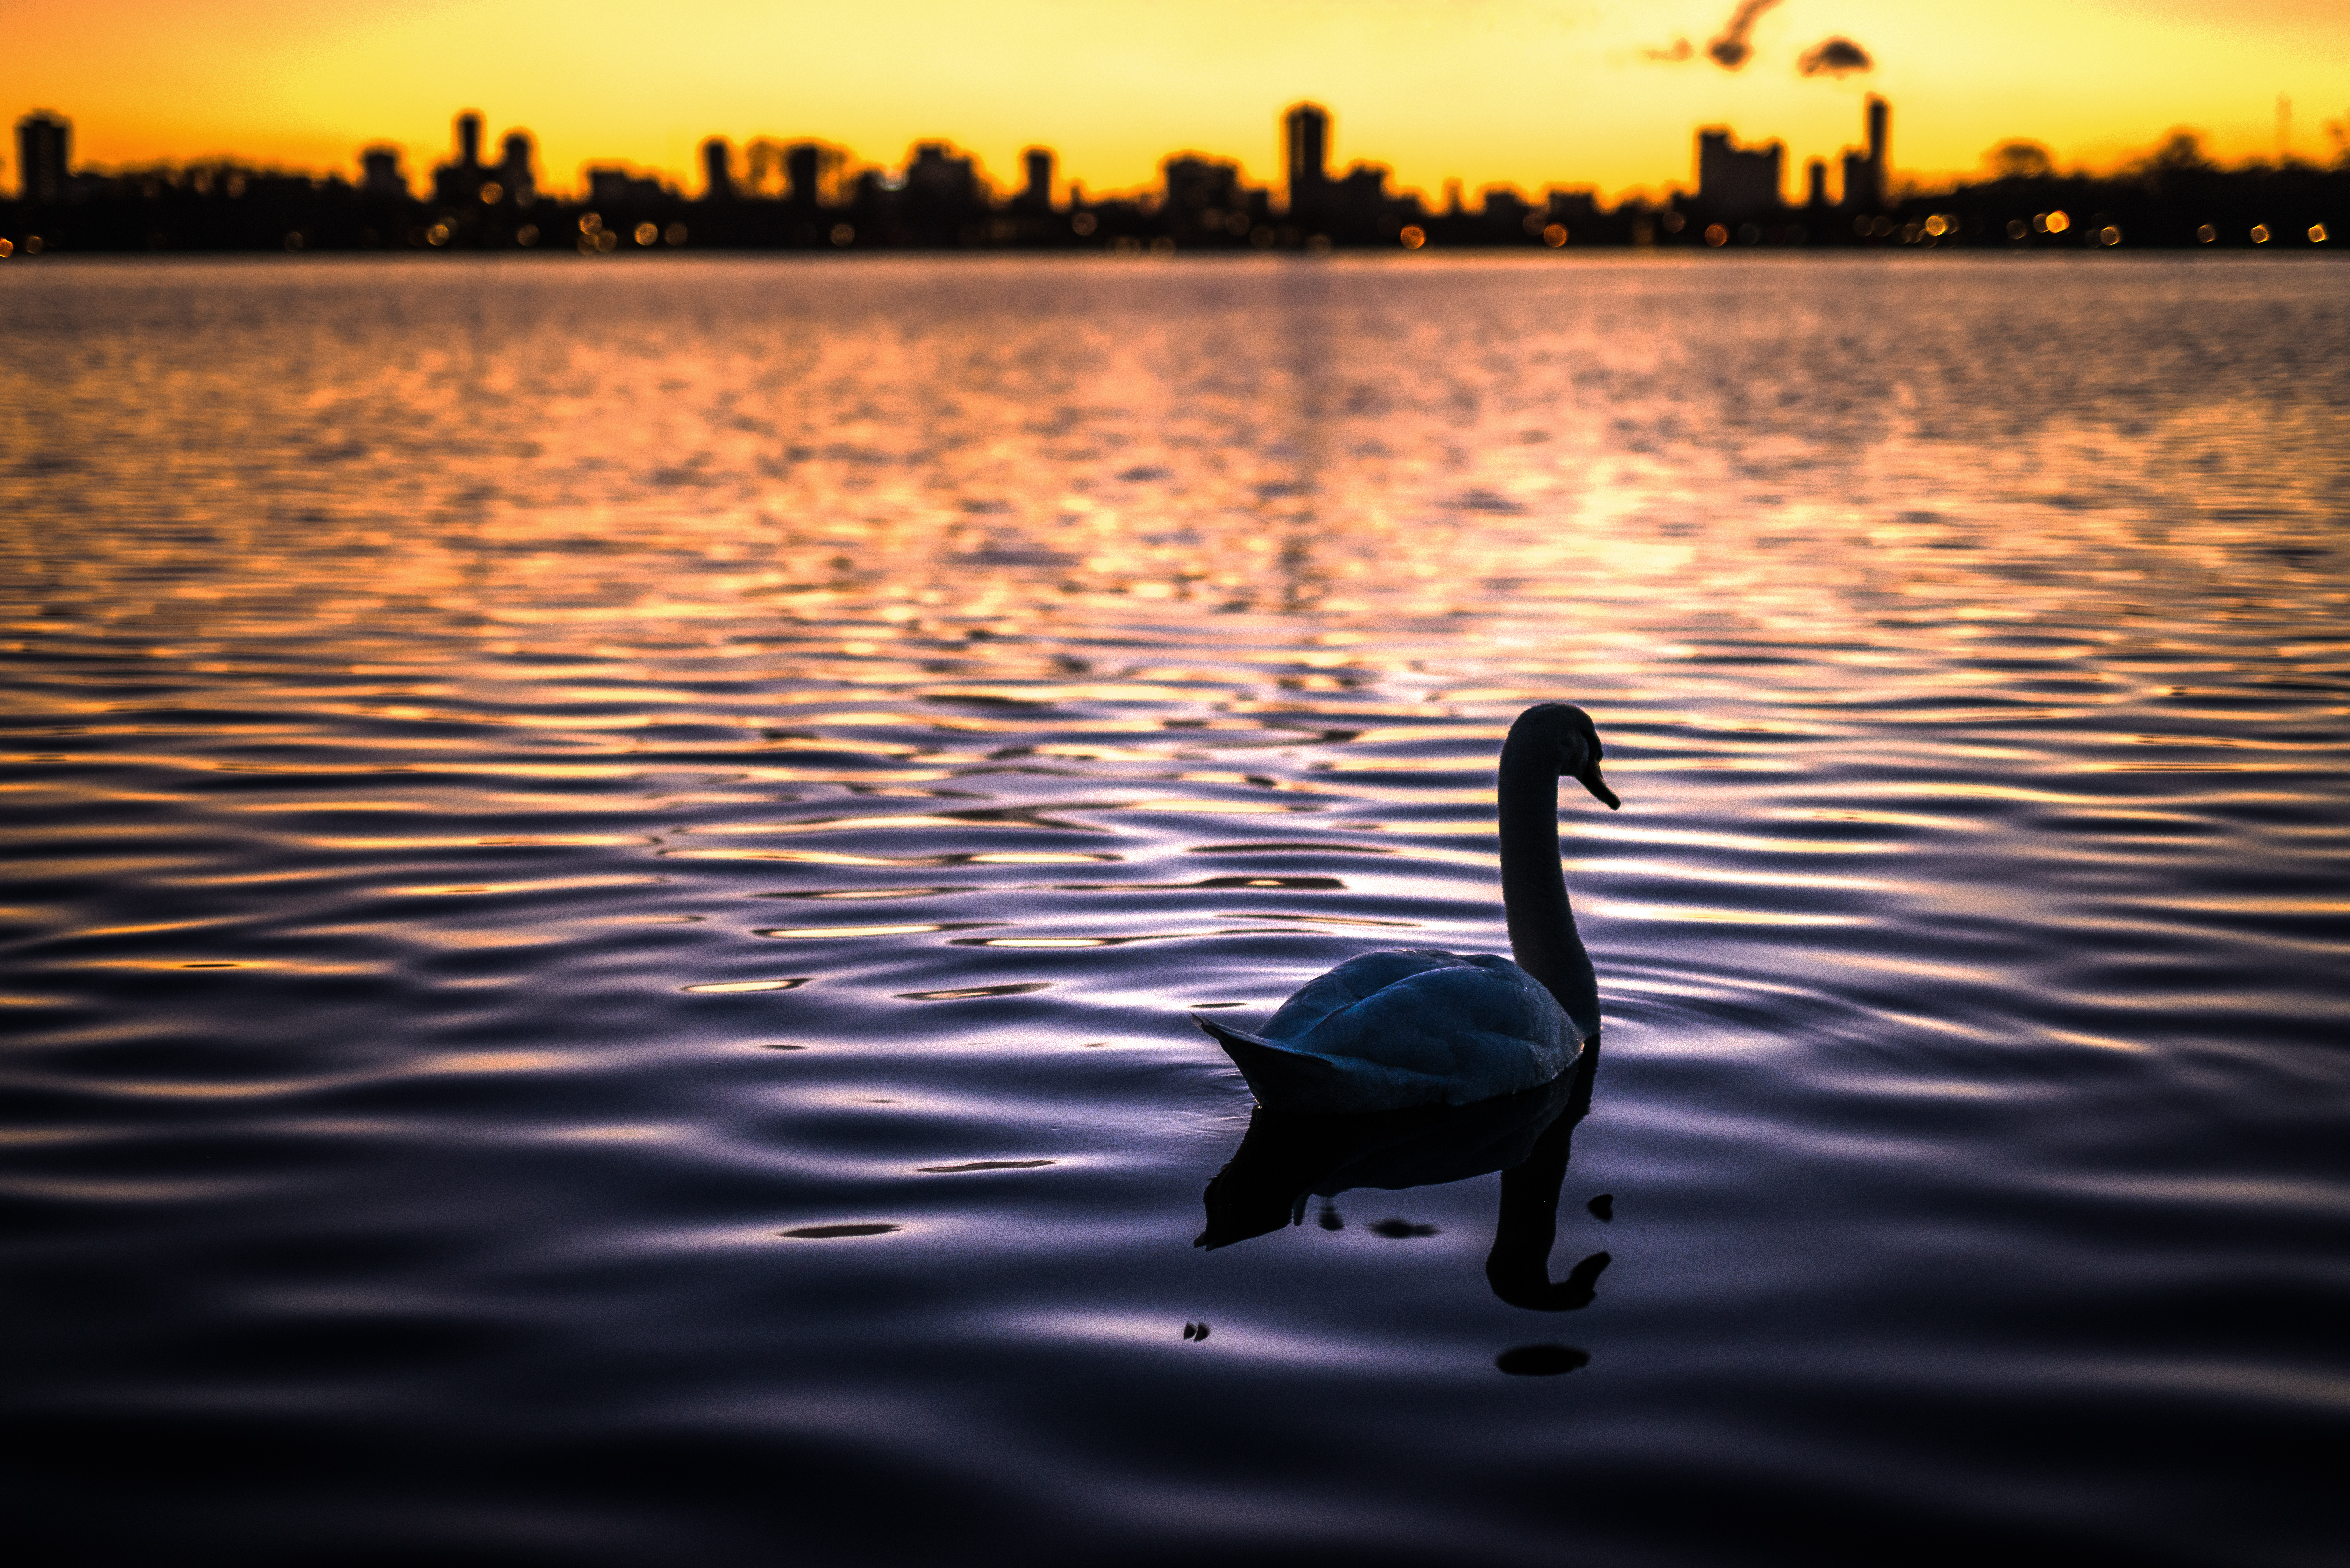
[
  {"x": 1729, "y": 48},
  {"x": 1836, "y": 57},
  {"x": 2021, "y": 160}
]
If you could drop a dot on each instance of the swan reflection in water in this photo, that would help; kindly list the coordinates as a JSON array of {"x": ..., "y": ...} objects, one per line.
[{"x": 1286, "y": 1157}]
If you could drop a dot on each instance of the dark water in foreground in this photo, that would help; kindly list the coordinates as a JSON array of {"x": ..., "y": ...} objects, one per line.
[{"x": 605, "y": 866}]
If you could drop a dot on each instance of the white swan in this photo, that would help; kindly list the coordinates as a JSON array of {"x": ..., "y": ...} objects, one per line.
[{"x": 1416, "y": 1026}]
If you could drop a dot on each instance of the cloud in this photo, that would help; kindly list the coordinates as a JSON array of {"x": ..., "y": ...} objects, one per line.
[
  {"x": 1729, "y": 48},
  {"x": 1836, "y": 57},
  {"x": 2020, "y": 160},
  {"x": 1680, "y": 50}
]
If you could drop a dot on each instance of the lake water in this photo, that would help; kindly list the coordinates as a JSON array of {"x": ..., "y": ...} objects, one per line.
[{"x": 606, "y": 864}]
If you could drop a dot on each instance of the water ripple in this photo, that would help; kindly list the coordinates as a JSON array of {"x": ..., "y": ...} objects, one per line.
[{"x": 602, "y": 876}]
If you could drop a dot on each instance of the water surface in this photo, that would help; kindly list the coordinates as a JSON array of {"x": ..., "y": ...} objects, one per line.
[{"x": 605, "y": 866}]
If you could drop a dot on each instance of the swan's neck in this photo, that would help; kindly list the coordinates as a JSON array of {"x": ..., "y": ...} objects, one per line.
[{"x": 1542, "y": 937}]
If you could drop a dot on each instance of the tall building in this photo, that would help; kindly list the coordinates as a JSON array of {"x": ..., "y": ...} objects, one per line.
[
  {"x": 1865, "y": 173},
  {"x": 380, "y": 174},
  {"x": 717, "y": 171},
  {"x": 460, "y": 179},
  {"x": 1305, "y": 137},
  {"x": 515, "y": 172},
  {"x": 803, "y": 170},
  {"x": 466, "y": 178},
  {"x": 1734, "y": 182},
  {"x": 1815, "y": 183},
  {"x": 44, "y": 143},
  {"x": 1037, "y": 193}
]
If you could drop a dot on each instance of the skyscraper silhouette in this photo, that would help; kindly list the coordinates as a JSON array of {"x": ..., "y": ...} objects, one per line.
[
  {"x": 1734, "y": 182},
  {"x": 380, "y": 173},
  {"x": 1037, "y": 193},
  {"x": 44, "y": 143},
  {"x": 460, "y": 180},
  {"x": 1307, "y": 141},
  {"x": 466, "y": 179},
  {"x": 803, "y": 162},
  {"x": 1864, "y": 180},
  {"x": 513, "y": 170}
]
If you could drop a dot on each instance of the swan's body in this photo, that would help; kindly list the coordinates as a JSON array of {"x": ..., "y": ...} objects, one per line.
[{"x": 1416, "y": 1026}]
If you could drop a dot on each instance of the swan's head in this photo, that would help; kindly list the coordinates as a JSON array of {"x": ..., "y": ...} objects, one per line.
[{"x": 1566, "y": 730}]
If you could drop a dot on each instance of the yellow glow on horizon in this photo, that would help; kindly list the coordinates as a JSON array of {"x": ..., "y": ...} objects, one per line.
[{"x": 1486, "y": 92}]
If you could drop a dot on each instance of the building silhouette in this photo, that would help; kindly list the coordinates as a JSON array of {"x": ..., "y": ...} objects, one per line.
[
  {"x": 619, "y": 186},
  {"x": 461, "y": 178},
  {"x": 1195, "y": 186},
  {"x": 717, "y": 171},
  {"x": 938, "y": 178},
  {"x": 1305, "y": 142},
  {"x": 1504, "y": 209},
  {"x": 1864, "y": 170},
  {"x": 1036, "y": 194},
  {"x": 803, "y": 175},
  {"x": 514, "y": 168},
  {"x": 381, "y": 175},
  {"x": 1734, "y": 182},
  {"x": 466, "y": 178},
  {"x": 43, "y": 148}
]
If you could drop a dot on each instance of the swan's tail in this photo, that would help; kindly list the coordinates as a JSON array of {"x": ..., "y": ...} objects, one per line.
[{"x": 1281, "y": 1078}]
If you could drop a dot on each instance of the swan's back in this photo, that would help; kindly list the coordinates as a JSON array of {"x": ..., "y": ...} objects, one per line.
[{"x": 1405, "y": 1027}]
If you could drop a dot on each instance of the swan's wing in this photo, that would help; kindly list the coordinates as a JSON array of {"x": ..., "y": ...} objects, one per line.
[
  {"x": 1286, "y": 1079},
  {"x": 1481, "y": 1025},
  {"x": 1359, "y": 977},
  {"x": 1405, "y": 1027}
]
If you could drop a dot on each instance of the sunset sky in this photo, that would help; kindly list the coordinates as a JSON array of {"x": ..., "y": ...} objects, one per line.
[{"x": 1486, "y": 92}]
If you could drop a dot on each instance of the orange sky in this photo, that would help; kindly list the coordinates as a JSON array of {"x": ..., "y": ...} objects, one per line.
[{"x": 1482, "y": 90}]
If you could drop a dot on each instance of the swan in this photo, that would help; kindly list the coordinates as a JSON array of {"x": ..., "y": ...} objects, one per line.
[{"x": 1415, "y": 1026}]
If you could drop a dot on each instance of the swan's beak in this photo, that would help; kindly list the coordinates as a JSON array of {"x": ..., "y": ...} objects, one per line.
[{"x": 1589, "y": 779}]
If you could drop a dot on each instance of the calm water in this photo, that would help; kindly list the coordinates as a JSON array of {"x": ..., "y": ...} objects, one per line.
[{"x": 605, "y": 867}]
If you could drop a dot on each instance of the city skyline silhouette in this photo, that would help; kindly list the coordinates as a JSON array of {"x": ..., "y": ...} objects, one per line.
[{"x": 814, "y": 195}]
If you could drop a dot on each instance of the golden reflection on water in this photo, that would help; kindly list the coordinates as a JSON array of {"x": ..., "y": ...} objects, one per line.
[{"x": 1814, "y": 544}]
